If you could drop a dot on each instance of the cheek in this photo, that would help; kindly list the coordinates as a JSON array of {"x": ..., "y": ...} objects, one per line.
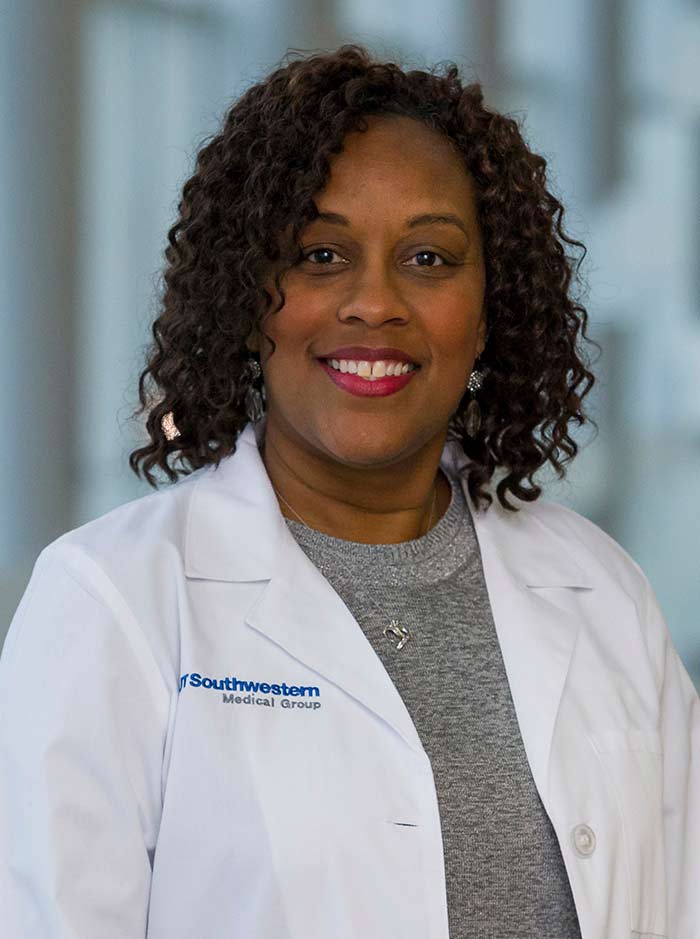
[
  {"x": 296, "y": 324},
  {"x": 294, "y": 331},
  {"x": 454, "y": 337}
]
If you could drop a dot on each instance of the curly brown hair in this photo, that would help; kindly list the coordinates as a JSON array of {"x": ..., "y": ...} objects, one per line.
[{"x": 257, "y": 178}]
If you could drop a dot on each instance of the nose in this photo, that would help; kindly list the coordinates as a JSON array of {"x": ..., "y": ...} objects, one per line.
[{"x": 374, "y": 299}]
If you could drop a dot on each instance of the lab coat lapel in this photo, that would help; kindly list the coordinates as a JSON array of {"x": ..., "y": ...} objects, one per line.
[
  {"x": 236, "y": 532},
  {"x": 300, "y": 611},
  {"x": 519, "y": 552},
  {"x": 537, "y": 640}
]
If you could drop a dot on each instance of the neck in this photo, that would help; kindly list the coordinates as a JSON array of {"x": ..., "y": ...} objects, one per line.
[{"x": 384, "y": 504}]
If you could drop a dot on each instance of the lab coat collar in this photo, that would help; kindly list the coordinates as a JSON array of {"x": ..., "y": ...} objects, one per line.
[
  {"x": 235, "y": 528},
  {"x": 237, "y": 533}
]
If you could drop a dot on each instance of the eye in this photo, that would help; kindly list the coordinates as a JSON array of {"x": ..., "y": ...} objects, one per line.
[
  {"x": 326, "y": 251},
  {"x": 434, "y": 254}
]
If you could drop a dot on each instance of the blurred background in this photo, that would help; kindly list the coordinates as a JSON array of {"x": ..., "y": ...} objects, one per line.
[{"x": 103, "y": 106}]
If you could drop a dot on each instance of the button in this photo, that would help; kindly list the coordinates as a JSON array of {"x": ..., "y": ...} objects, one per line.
[{"x": 583, "y": 838}]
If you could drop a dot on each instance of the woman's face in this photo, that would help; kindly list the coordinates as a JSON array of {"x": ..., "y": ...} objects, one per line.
[{"x": 376, "y": 276}]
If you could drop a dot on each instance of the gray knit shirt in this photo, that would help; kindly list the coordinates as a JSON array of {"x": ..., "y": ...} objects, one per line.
[{"x": 503, "y": 865}]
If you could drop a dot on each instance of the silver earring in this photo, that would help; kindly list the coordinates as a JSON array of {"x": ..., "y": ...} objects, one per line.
[
  {"x": 473, "y": 410},
  {"x": 254, "y": 398}
]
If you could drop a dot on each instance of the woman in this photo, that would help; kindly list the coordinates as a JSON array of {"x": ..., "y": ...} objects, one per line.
[{"x": 326, "y": 685}]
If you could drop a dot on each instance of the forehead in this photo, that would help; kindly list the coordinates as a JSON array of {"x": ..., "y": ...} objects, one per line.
[{"x": 400, "y": 163}]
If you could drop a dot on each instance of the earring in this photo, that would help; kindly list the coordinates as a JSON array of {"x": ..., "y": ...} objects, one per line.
[
  {"x": 473, "y": 410},
  {"x": 169, "y": 428},
  {"x": 254, "y": 398}
]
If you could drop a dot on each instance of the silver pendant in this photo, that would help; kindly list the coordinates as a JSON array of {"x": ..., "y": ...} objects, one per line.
[{"x": 394, "y": 631}]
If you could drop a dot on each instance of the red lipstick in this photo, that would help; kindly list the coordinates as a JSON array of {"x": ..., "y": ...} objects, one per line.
[
  {"x": 356, "y": 385},
  {"x": 367, "y": 354}
]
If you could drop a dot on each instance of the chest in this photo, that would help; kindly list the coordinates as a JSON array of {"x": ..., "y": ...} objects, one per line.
[{"x": 295, "y": 771}]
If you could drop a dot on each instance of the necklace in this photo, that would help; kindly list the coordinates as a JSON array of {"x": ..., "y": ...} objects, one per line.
[{"x": 394, "y": 631}]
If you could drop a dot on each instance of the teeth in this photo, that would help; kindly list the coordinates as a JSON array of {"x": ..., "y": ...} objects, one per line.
[{"x": 371, "y": 370}]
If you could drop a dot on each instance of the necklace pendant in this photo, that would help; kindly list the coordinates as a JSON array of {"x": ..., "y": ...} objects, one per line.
[{"x": 393, "y": 631}]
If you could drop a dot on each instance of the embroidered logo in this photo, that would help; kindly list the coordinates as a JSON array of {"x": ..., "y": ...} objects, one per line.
[{"x": 272, "y": 691}]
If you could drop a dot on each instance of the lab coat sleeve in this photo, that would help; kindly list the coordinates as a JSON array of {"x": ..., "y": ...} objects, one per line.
[
  {"x": 680, "y": 734},
  {"x": 83, "y": 715}
]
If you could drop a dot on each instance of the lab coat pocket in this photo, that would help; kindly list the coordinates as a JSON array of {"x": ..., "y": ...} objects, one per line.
[{"x": 632, "y": 760}]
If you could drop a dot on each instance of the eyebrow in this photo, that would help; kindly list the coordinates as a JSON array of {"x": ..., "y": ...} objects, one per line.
[{"x": 427, "y": 218}]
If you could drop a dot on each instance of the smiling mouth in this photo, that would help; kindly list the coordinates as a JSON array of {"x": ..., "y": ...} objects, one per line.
[
  {"x": 370, "y": 371},
  {"x": 379, "y": 378}
]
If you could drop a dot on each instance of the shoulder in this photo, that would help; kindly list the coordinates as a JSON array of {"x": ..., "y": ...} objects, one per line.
[
  {"x": 617, "y": 579},
  {"x": 611, "y": 565},
  {"x": 129, "y": 563},
  {"x": 551, "y": 541},
  {"x": 133, "y": 532},
  {"x": 548, "y": 530},
  {"x": 581, "y": 531}
]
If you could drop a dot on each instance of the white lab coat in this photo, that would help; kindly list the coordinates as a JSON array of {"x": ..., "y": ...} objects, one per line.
[{"x": 137, "y": 799}]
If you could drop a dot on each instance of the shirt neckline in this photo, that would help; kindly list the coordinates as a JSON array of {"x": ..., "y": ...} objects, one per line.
[{"x": 441, "y": 534}]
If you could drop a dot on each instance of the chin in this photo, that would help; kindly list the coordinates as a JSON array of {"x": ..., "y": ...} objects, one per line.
[{"x": 366, "y": 449}]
